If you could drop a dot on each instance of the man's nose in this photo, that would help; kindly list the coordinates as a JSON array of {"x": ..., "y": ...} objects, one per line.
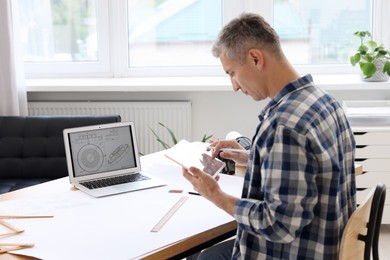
[{"x": 236, "y": 86}]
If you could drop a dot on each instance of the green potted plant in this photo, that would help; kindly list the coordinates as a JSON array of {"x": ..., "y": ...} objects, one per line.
[
  {"x": 373, "y": 58},
  {"x": 165, "y": 144}
]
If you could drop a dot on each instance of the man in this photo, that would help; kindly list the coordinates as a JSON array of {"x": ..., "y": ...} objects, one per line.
[{"x": 299, "y": 187}]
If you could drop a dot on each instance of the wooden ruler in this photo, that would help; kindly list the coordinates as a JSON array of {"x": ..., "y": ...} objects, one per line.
[{"x": 169, "y": 214}]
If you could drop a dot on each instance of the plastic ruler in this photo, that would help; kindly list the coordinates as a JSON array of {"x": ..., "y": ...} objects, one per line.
[{"x": 169, "y": 214}]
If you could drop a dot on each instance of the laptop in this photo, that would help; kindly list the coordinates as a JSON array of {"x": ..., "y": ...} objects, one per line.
[{"x": 103, "y": 159}]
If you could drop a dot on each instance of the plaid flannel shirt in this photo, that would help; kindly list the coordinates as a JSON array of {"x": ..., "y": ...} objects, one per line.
[{"x": 299, "y": 188}]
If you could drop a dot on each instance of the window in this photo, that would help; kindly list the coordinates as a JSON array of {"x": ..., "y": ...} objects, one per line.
[
  {"x": 64, "y": 37},
  {"x": 59, "y": 30},
  {"x": 172, "y": 33},
  {"x": 130, "y": 38},
  {"x": 320, "y": 32}
]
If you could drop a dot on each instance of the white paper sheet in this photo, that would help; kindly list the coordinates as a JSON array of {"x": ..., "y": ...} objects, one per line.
[{"x": 188, "y": 154}]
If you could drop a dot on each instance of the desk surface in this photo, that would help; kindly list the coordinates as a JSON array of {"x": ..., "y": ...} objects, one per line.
[
  {"x": 179, "y": 249},
  {"x": 196, "y": 212}
]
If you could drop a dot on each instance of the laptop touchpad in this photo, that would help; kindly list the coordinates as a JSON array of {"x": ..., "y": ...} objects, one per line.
[{"x": 127, "y": 187}]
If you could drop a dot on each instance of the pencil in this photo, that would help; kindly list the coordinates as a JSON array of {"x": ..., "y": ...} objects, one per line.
[
  {"x": 17, "y": 244},
  {"x": 231, "y": 150},
  {"x": 21, "y": 246},
  {"x": 235, "y": 150},
  {"x": 21, "y": 216},
  {"x": 8, "y": 225},
  {"x": 10, "y": 233}
]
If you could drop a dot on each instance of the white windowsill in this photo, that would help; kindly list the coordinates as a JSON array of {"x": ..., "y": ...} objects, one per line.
[{"x": 167, "y": 84}]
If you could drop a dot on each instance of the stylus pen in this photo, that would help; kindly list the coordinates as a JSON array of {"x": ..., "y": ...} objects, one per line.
[{"x": 231, "y": 150}]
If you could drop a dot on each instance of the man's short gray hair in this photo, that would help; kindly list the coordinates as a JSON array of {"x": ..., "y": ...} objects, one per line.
[{"x": 246, "y": 32}]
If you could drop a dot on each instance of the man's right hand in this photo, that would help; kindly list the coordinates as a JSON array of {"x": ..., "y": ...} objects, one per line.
[{"x": 238, "y": 158}]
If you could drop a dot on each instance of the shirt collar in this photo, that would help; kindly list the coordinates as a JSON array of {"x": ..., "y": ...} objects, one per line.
[{"x": 289, "y": 88}]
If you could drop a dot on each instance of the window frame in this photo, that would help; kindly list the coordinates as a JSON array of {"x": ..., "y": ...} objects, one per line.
[{"x": 112, "y": 45}]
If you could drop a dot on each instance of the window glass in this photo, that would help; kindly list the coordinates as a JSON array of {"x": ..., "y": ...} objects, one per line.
[
  {"x": 174, "y": 37},
  {"x": 321, "y": 32},
  {"x": 172, "y": 32},
  {"x": 58, "y": 30}
]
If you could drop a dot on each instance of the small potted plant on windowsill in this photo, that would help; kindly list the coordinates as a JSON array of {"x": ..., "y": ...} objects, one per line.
[{"x": 373, "y": 58}]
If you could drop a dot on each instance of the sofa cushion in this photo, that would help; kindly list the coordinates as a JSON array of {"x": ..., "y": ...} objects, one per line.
[{"x": 32, "y": 147}]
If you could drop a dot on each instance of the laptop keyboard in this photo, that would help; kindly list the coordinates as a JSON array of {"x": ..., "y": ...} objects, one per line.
[{"x": 114, "y": 181}]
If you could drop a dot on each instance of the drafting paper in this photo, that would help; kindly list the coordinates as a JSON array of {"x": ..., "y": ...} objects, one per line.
[{"x": 195, "y": 154}]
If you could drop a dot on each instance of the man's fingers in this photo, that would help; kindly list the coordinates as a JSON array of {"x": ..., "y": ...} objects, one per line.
[
  {"x": 191, "y": 173},
  {"x": 187, "y": 174},
  {"x": 229, "y": 155},
  {"x": 195, "y": 171}
]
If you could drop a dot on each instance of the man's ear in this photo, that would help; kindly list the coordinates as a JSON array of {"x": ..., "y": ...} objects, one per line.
[{"x": 256, "y": 56}]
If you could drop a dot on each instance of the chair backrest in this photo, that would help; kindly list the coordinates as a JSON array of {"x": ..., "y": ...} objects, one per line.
[
  {"x": 379, "y": 197},
  {"x": 361, "y": 234}
]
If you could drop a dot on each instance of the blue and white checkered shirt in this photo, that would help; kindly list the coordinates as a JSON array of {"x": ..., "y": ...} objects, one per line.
[{"x": 299, "y": 188}]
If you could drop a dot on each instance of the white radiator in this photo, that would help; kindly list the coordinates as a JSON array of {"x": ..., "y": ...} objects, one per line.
[{"x": 145, "y": 115}]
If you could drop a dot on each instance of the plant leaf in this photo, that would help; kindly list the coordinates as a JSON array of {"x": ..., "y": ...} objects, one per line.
[
  {"x": 381, "y": 53},
  {"x": 170, "y": 133},
  {"x": 372, "y": 45},
  {"x": 206, "y": 137},
  {"x": 363, "y": 49},
  {"x": 164, "y": 144},
  {"x": 386, "y": 68},
  {"x": 368, "y": 69},
  {"x": 355, "y": 59}
]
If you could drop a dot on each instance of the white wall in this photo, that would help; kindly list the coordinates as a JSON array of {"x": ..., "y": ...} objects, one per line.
[{"x": 215, "y": 112}]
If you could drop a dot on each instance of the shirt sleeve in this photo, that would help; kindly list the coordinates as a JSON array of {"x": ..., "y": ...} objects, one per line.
[{"x": 288, "y": 184}]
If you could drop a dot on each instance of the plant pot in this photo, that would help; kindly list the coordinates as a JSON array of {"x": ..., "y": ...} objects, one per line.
[{"x": 378, "y": 76}]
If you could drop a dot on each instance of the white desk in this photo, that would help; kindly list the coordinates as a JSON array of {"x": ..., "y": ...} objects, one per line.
[{"x": 117, "y": 227}]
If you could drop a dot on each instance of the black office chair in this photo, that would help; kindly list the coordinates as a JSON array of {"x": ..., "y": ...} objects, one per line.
[
  {"x": 379, "y": 202},
  {"x": 361, "y": 235}
]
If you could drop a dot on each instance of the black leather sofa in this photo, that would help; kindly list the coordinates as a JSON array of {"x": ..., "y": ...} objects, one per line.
[{"x": 32, "y": 147}]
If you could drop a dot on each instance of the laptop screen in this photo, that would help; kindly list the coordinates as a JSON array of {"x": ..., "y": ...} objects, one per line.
[{"x": 102, "y": 150}]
